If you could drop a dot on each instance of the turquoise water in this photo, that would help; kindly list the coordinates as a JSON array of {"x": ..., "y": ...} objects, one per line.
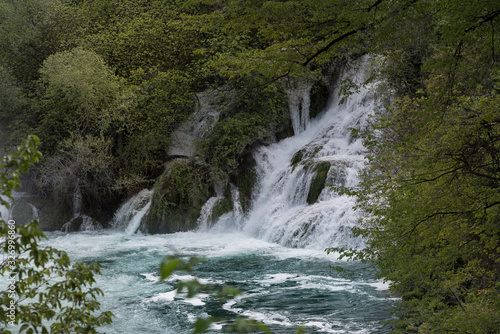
[{"x": 283, "y": 287}]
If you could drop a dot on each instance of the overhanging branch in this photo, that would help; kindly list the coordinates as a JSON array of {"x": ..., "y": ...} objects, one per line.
[{"x": 332, "y": 43}]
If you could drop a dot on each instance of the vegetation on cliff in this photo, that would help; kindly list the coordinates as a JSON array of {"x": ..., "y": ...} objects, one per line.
[{"x": 180, "y": 193}]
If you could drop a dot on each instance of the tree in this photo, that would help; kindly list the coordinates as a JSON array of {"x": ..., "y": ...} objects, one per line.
[
  {"x": 27, "y": 36},
  {"x": 79, "y": 94},
  {"x": 46, "y": 293},
  {"x": 81, "y": 112},
  {"x": 430, "y": 193}
]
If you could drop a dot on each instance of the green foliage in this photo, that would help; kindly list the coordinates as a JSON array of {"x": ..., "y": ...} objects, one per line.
[
  {"x": 46, "y": 293},
  {"x": 318, "y": 182},
  {"x": 178, "y": 197},
  {"x": 81, "y": 111},
  {"x": 164, "y": 101},
  {"x": 79, "y": 95},
  {"x": 12, "y": 102},
  {"x": 430, "y": 192},
  {"x": 26, "y": 37},
  {"x": 250, "y": 120},
  {"x": 83, "y": 162}
]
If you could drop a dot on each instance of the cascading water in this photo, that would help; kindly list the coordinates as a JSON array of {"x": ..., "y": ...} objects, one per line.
[
  {"x": 283, "y": 287},
  {"x": 228, "y": 221},
  {"x": 77, "y": 201},
  {"x": 80, "y": 221},
  {"x": 25, "y": 209},
  {"x": 129, "y": 216},
  {"x": 4, "y": 211},
  {"x": 280, "y": 212},
  {"x": 299, "y": 101}
]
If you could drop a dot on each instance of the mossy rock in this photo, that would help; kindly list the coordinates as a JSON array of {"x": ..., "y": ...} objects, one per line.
[
  {"x": 320, "y": 94},
  {"x": 297, "y": 157},
  {"x": 284, "y": 128},
  {"x": 318, "y": 182},
  {"x": 179, "y": 194},
  {"x": 305, "y": 156},
  {"x": 245, "y": 179}
]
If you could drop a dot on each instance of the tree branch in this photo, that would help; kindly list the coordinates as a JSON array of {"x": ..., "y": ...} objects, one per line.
[
  {"x": 329, "y": 45},
  {"x": 374, "y": 5},
  {"x": 484, "y": 19}
]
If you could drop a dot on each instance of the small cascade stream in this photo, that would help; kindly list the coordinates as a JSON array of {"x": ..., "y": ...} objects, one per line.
[
  {"x": 4, "y": 211},
  {"x": 27, "y": 209},
  {"x": 129, "y": 216},
  {"x": 299, "y": 101}
]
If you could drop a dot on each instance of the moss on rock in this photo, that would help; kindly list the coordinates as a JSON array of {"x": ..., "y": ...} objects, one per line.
[
  {"x": 284, "y": 127},
  {"x": 178, "y": 197},
  {"x": 297, "y": 157},
  {"x": 318, "y": 182},
  {"x": 245, "y": 179}
]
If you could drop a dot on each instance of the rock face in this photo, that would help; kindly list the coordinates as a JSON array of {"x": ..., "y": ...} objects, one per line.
[
  {"x": 51, "y": 215},
  {"x": 179, "y": 195},
  {"x": 82, "y": 223},
  {"x": 318, "y": 182},
  {"x": 210, "y": 106}
]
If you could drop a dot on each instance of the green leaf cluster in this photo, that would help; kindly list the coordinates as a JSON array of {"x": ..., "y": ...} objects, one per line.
[
  {"x": 429, "y": 194},
  {"x": 46, "y": 293}
]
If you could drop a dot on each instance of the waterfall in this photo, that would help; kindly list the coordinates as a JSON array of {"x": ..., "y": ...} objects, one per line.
[
  {"x": 299, "y": 102},
  {"x": 237, "y": 209},
  {"x": 227, "y": 221},
  {"x": 80, "y": 221},
  {"x": 206, "y": 212},
  {"x": 20, "y": 209},
  {"x": 293, "y": 201},
  {"x": 129, "y": 216}
]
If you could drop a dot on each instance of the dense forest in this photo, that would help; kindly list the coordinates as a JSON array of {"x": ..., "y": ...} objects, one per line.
[{"x": 105, "y": 84}]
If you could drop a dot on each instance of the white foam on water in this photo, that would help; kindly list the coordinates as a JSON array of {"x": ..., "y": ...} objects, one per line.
[
  {"x": 277, "y": 278},
  {"x": 164, "y": 296},
  {"x": 269, "y": 318},
  {"x": 153, "y": 277}
]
